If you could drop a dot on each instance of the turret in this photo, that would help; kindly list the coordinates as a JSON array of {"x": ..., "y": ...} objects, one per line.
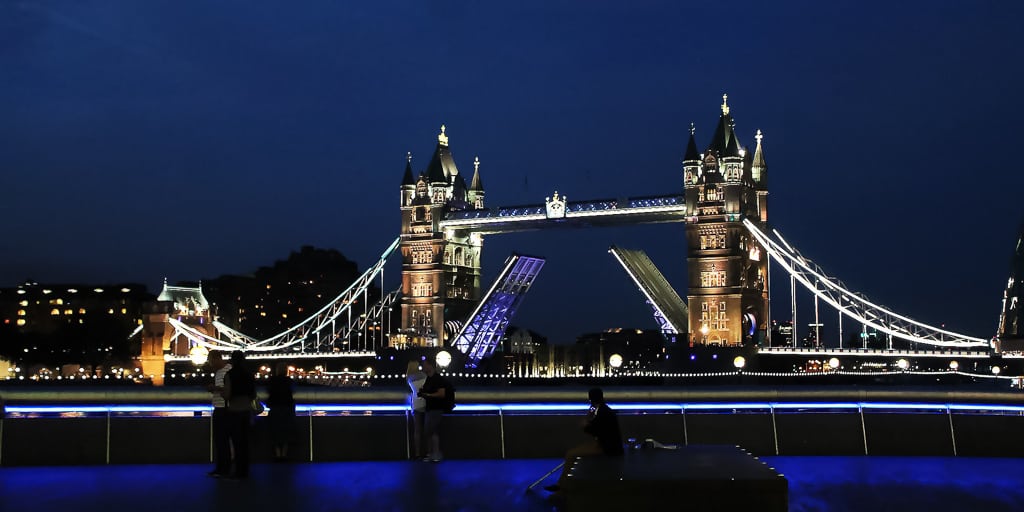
[
  {"x": 691, "y": 162},
  {"x": 758, "y": 168},
  {"x": 475, "y": 196},
  {"x": 408, "y": 183}
]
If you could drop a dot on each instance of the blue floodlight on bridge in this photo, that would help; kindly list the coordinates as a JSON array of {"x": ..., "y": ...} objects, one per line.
[
  {"x": 670, "y": 310},
  {"x": 485, "y": 327}
]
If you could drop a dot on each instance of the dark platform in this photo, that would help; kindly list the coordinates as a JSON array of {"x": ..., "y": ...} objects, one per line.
[{"x": 695, "y": 477}]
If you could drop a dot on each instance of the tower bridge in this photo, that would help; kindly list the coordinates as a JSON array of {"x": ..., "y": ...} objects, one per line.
[{"x": 441, "y": 302}]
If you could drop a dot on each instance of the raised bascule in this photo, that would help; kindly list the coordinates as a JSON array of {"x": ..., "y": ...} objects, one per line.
[{"x": 442, "y": 303}]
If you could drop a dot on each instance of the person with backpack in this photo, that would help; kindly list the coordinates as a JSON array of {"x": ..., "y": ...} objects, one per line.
[{"x": 439, "y": 395}]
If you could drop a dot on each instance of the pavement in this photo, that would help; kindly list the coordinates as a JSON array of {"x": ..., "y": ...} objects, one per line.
[{"x": 834, "y": 484}]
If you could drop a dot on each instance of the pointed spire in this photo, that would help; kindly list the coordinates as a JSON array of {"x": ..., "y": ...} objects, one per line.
[
  {"x": 732, "y": 148},
  {"x": 758, "y": 168},
  {"x": 407, "y": 178},
  {"x": 442, "y": 169},
  {"x": 691, "y": 148},
  {"x": 477, "y": 184},
  {"x": 442, "y": 139},
  {"x": 723, "y": 132}
]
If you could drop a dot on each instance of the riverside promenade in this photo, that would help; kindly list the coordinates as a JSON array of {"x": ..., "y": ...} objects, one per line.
[{"x": 816, "y": 484}]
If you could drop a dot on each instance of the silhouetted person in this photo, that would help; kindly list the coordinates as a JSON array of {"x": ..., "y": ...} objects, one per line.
[
  {"x": 415, "y": 378},
  {"x": 602, "y": 424},
  {"x": 240, "y": 391},
  {"x": 221, "y": 417},
  {"x": 282, "y": 411},
  {"x": 434, "y": 390}
]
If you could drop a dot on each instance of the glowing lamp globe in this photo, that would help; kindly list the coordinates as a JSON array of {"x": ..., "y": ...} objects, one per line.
[
  {"x": 615, "y": 361},
  {"x": 739, "y": 362},
  {"x": 198, "y": 355},
  {"x": 443, "y": 359},
  {"x": 903, "y": 364},
  {"x": 995, "y": 370},
  {"x": 953, "y": 365},
  {"x": 834, "y": 363}
]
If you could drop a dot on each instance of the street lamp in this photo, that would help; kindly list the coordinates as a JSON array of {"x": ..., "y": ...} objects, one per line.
[
  {"x": 903, "y": 364},
  {"x": 834, "y": 363},
  {"x": 615, "y": 361},
  {"x": 954, "y": 366},
  {"x": 443, "y": 359},
  {"x": 995, "y": 370},
  {"x": 198, "y": 355},
  {"x": 739, "y": 363}
]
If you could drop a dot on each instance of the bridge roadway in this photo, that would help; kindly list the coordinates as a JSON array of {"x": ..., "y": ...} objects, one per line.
[{"x": 601, "y": 212}]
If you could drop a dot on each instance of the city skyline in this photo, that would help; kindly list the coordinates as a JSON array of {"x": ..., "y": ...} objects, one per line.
[{"x": 143, "y": 143}]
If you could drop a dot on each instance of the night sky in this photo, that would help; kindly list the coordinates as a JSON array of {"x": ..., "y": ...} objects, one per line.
[{"x": 143, "y": 140}]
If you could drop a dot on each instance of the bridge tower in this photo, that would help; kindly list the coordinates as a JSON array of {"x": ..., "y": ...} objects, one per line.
[
  {"x": 189, "y": 306},
  {"x": 440, "y": 269},
  {"x": 728, "y": 269}
]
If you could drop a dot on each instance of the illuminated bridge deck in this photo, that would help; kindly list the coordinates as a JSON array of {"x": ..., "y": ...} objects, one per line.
[
  {"x": 836, "y": 484},
  {"x": 602, "y": 212}
]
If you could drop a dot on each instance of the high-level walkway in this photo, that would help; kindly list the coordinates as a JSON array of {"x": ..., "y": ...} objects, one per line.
[{"x": 835, "y": 484}]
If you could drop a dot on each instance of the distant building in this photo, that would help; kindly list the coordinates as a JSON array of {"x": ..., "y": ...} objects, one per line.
[
  {"x": 70, "y": 323},
  {"x": 1011, "y": 318},
  {"x": 637, "y": 350},
  {"x": 276, "y": 297}
]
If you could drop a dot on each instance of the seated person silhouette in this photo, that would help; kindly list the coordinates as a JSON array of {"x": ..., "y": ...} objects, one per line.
[{"x": 602, "y": 424}]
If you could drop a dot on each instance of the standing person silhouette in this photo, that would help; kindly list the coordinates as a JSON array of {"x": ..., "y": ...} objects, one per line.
[
  {"x": 603, "y": 425},
  {"x": 434, "y": 390},
  {"x": 281, "y": 402},
  {"x": 415, "y": 378},
  {"x": 240, "y": 391},
  {"x": 221, "y": 417}
]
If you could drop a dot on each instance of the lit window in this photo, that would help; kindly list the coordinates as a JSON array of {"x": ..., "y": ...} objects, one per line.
[
  {"x": 125, "y": 290},
  {"x": 54, "y": 311},
  {"x": 98, "y": 290},
  {"x": 20, "y": 322},
  {"x": 124, "y": 311},
  {"x": 72, "y": 290},
  {"x": 47, "y": 292},
  {"x": 422, "y": 289},
  {"x": 263, "y": 313},
  {"x": 23, "y": 303},
  {"x": 110, "y": 311},
  {"x": 81, "y": 311},
  {"x": 21, "y": 312},
  {"x": 67, "y": 311},
  {"x": 284, "y": 315}
]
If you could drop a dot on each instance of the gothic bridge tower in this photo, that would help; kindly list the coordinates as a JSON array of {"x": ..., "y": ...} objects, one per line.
[
  {"x": 440, "y": 270},
  {"x": 728, "y": 269}
]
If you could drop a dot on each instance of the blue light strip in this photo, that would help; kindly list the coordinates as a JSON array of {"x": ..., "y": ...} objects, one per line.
[
  {"x": 726, "y": 406},
  {"x": 536, "y": 407},
  {"x": 817, "y": 405},
  {"x": 29, "y": 409},
  {"x": 898, "y": 405}
]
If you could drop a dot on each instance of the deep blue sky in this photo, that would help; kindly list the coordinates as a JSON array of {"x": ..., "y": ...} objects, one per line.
[{"x": 190, "y": 139}]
